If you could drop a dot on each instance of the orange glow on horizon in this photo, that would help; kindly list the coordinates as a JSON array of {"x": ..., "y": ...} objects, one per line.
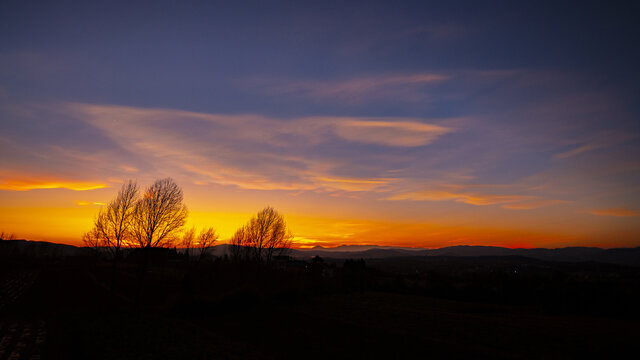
[
  {"x": 67, "y": 226},
  {"x": 26, "y": 185},
  {"x": 59, "y": 214}
]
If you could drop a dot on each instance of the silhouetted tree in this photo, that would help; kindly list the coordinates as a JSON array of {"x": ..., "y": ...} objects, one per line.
[
  {"x": 157, "y": 218},
  {"x": 159, "y": 215},
  {"x": 94, "y": 241},
  {"x": 7, "y": 250},
  {"x": 262, "y": 237},
  {"x": 187, "y": 241},
  {"x": 237, "y": 250},
  {"x": 113, "y": 224},
  {"x": 7, "y": 236},
  {"x": 112, "y": 227},
  {"x": 206, "y": 239},
  {"x": 202, "y": 242}
]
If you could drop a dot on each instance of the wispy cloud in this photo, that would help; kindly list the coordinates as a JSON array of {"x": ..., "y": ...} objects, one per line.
[
  {"x": 399, "y": 87},
  {"x": 352, "y": 184},
  {"x": 622, "y": 212},
  {"x": 398, "y": 133},
  {"x": 534, "y": 204},
  {"x": 508, "y": 196},
  {"x": 600, "y": 141},
  {"x": 129, "y": 168},
  {"x": 388, "y": 131},
  {"x": 25, "y": 184},
  {"x": 473, "y": 198},
  {"x": 391, "y": 158},
  {"x": 87, "y": 203},
  {"x": 253, "y": 151}
]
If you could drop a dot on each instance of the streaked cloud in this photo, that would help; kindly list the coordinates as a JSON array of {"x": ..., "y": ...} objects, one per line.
[
  {"x": 26, "y": 184},
  {"x": 352, "y": 184},
  {"x": 301, "y": 242},
  {"x": 508, "y": 196},
  {"x": 400, "y": 133},
  {"x": 534, "y": 204},
  {"x": 253, "y": 151},
  {"x": 599, "y": 141},
  {"x": 86, "y": 203},
  {"x": 473, "y": 198},
  {"x": 398, "y": 87},
  {"x": 622, "y": 212},
  {"x": 129, "y": 168}
]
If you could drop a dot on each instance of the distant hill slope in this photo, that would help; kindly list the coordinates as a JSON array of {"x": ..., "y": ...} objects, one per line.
[
  {"x": 626, "y": 256},
  {"x": 623, "y": 256},
  {"x": 40, "y": 248}
]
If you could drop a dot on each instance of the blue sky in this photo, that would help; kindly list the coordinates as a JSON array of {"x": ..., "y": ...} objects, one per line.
[{"x": 492, "y": 117}]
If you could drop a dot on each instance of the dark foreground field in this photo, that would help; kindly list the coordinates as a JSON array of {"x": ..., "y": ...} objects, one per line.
[{"x": 61, "y": 308}]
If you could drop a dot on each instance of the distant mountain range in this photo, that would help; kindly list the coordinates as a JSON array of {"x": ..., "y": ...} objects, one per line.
[
  {"x": 627, "y": 256},
  {"x": 624, "y": 256}
]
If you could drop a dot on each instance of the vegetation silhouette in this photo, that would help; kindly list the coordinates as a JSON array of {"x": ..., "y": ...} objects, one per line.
[
  {"x": 201, "y": 242},
  {"x": 7, "y": 236},
  {"x": 157, "y": 218},
  {"x": 113, "y": 228},
  {"x": 262, "y": 238},
  {"x": 147, "y": 225},
  {"x": 150, "y": 221},
  {"x": 258, "y": 298}
]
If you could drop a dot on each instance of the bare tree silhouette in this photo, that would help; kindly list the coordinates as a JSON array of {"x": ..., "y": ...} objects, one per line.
[
  {"x": 7, "y": 236},
  {"x": 113, "y": 224},
  {"x": 157, "y": 218},
  {"x": 94, "y": 241},
  {"x": 237, "y": 250},
  {"x": 206, "y": 239},
  {"x": 159, "y": 215},
  {"x": 187, "y": 241},
  {"x": 262, "y": 237},
  {"x": 112, "y": 228},
  {"x": 202, "y": 242}
]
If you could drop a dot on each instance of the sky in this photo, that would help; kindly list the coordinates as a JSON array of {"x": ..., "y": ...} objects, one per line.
[{"x": 401, "y": 123}]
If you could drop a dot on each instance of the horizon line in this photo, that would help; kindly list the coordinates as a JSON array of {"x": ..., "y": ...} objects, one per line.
[{"x": 417, "y": 248}]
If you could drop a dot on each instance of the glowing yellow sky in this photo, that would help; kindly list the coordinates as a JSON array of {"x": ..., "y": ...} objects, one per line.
[{"x": 62, "y": 215}]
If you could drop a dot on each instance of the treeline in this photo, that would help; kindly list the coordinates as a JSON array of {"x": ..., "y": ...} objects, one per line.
[{"x": 156, "y": 217}]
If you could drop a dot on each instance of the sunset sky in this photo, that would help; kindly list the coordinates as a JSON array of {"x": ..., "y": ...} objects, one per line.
[{"x": 393, "y": 123}]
